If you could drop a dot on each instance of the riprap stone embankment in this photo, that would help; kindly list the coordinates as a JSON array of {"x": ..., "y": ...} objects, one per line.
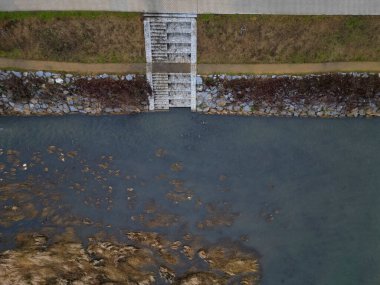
[{"x": 328, "y": 95}]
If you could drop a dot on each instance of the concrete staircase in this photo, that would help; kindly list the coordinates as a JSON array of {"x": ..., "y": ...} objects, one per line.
[
  {"x": 171, "y": 38},
  {"x": 179, "y": 85},
  {"x": 171, "y": 90},
  {"x": 160, "y": 91}
]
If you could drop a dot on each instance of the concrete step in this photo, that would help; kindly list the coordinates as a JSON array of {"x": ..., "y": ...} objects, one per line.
[
  {"x": 178, "y": 93},
  {"x": 158, "y": 35},
  {"x": 158, "y": 25},
  {"x": 179, "y": 27},
  {"x": 180, "y": 103},
  {"x": 159, "y": 53},
  {"x": 179, "y": 38},
  {"x": 161, "y": 101},
  {"x": 162, "y": 29},
  {"x": 179, "y": 58},
  {"x": 176, "y": 31},
  {"x": 179, "y": 48},
  {"x": 160, "y": 57},
  {"x": 160, "y": 81},
  {"x": 179, "y": 78},
  {"x": 180, "y": 81},
  {"x": 171, "y": 97},
  {"x": 162, "y": 47},
  {"x": 155, "y": 31},
  {"x": 159, "y": 50},
  {"x": 160, "y": 40},
  {"x": 160, "y": 89},
  {"x": 160, "y": 84},
  {"x": 159, "y": 75},
  {"x": 162, "y": 106},
  {"x": 179, "y": 86},
  {"x": 158, "y": 21}
]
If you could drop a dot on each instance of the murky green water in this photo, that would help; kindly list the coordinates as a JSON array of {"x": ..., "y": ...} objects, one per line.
[{"x": 303, "y": 192}]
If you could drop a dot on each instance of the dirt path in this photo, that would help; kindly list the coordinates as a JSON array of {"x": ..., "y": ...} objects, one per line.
[
  {"x": 288, "y": 68},
  {"x": 6, "y": 63},
  {"x": 72, "y": 66}
]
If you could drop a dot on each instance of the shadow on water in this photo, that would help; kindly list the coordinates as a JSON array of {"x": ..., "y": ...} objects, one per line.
[{"x": 302, "y": 192}]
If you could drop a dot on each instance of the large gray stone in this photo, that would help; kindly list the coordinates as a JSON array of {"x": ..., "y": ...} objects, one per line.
[
  {"x": 19, "y": 108},
  {"x": 247, "y": 109},
  {"x": 17, "y": 74}
]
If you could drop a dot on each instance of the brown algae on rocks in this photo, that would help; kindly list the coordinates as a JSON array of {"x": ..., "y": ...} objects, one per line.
[{"x": 67, "y": 261}]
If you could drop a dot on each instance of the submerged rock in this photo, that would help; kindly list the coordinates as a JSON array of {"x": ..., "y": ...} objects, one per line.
[
  {"x": 201, "y": 278},
  {"x": 70, "y": 263}
]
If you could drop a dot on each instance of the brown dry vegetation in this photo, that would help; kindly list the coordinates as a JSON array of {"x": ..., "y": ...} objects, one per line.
[
  {"x": 287, "y": 39},
  {"x": 82, "y": 37},
  {"x": 325, "y": 89},
  {"x": 114, "y": 93}
]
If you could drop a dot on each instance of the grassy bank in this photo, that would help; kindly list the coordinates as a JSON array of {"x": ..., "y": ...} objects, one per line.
[
  {"x": 90, "y": 37},
  {"x": 287, "y": 39},
  {"x": 106, "y": 37}
]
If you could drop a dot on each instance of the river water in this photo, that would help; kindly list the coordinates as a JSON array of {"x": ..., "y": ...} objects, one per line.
[{"x": 304, "y": 193}]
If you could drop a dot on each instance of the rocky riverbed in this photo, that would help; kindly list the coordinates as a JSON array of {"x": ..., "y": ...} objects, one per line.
[{"x": 327, "y": 96}]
